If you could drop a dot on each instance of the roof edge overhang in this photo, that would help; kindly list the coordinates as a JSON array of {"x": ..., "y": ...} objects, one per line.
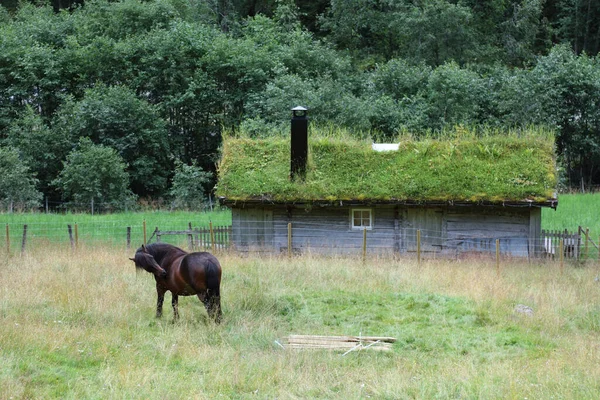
[{"x": 551, "y": 203}]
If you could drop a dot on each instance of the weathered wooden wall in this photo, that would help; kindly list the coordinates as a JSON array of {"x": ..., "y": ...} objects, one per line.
[
  {"x": 328, "y": 230},
  {"x": 443, "y": 229},
  {"x": 476, "y": 229}
]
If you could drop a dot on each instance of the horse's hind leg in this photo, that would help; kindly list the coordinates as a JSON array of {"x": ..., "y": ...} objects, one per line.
[
  {"x": 175, "y": 304},
  {"x": 213, "y": 305}
]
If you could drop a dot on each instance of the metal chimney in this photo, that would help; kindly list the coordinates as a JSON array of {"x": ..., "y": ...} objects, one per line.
[{"x": 299, "y": 143}]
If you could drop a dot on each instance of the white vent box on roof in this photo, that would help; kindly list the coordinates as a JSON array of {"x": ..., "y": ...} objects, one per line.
[{"x": 385, "y": 146}]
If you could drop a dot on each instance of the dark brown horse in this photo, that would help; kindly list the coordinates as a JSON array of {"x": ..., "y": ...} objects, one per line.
[{"x": 183, "y": 274}]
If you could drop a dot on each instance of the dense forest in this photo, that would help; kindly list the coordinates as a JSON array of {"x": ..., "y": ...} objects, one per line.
[{"x": 121, "y": 101}]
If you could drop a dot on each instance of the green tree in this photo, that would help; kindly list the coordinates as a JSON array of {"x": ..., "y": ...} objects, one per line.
[
  {"x": 433, "y": 32},
  {"x": 41, "y": 148},
  {"x": 115, "y": 117},
  {"x": 122, "y": 19},
  {"x": 567, "y": 89},
  {"x": 561, "y": 91},
  {"x": 189, "y": 186},
  {"x": 437, "y": 32},
  {"x": 94, "y": 173},
  {"x": 577, "y": 22},
  {"x": 17, "y": 185},
  {"x": 455, "y": 96}
]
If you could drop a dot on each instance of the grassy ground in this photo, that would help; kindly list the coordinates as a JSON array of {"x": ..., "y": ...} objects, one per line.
[
  {"x": 82, "y": 326},
  {"x": 102, "y": 228},
  {"x": 574, "y": 210}
]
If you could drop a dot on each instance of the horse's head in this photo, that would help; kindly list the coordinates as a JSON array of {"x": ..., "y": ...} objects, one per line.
[{"x": 144, "y": 260}]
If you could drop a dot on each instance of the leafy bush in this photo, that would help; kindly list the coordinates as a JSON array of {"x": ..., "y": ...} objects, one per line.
[
  {"x": 17, "y": 186},
  {"x": 115, "y": 117},
  {"x": 189, "y": 186},
  {"x": 94, "y": 173}
]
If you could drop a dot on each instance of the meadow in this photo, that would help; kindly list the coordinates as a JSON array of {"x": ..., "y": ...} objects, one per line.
[
  {"x": 82, "y": 326},
  {"x": 43, "y": 229},
  {"x": 574, "y": 210}
]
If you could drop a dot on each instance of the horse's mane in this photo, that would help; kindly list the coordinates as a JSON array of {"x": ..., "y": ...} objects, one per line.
[
  {"x": 160, "y": 250},
  {"x": 163, "y": 247}
]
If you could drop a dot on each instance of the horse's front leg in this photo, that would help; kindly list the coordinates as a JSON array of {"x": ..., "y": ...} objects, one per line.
[
  {"x": 159, "y": 302},
  {"x": 175, "y": 304}
]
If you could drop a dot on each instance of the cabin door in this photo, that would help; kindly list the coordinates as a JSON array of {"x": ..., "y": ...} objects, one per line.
[
  {"x": 429, "y": 222},
  {"x": 252, "y": 227}
]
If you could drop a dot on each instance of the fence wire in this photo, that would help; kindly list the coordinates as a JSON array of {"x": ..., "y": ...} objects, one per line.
[{"x": 302, "y": 238}]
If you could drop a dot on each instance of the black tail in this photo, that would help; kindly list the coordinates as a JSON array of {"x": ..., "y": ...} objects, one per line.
[
  {"x": 213, "y": 292},
  {"x": 213, "y": 281}
]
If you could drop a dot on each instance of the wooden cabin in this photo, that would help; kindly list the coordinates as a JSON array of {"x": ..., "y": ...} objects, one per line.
[{"x": 459, "y": 195}]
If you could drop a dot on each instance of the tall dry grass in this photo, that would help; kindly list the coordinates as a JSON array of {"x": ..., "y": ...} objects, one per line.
[{"x": 82, "y": 326}]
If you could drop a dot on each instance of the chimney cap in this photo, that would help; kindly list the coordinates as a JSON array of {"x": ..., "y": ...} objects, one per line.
[{"x": 299, "y": 111}]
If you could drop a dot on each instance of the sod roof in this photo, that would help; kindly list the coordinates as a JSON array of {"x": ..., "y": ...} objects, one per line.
[{"x": 493, "y": 169}]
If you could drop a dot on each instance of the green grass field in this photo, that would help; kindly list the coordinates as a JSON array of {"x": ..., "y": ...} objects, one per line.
[
  {"x": 43, "y": 229},
  {"x": 574, "y": 210},
  {"x": 82, "y": 326}
]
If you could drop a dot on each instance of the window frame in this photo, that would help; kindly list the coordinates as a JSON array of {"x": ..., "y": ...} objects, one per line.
[{"x": 371, "y": 219}]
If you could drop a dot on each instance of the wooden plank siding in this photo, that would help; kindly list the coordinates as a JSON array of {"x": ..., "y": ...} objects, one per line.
[
  {"x": 328, "y": 230},
  {"x": 446, "y": 229},
  {"x": 476, "y": 230},
  {"x": 252, "y": 228},
  {"x": 535, "y": 232},
  {"x": 429, "y": 222}
]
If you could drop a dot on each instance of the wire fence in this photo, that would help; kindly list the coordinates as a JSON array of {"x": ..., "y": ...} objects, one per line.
[{"x": 306, "y": 238}]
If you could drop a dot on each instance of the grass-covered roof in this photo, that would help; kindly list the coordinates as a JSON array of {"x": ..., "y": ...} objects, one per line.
[{"x": 464, "y": 168}]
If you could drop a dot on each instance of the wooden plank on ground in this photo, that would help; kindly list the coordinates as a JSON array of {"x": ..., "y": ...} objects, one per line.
[
  {"x": 344, "y": 338},
  {"x": 347, "y": 343}
]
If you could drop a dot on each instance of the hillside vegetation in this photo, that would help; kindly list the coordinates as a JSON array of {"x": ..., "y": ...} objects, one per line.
[{"x": 116, "y": 101}]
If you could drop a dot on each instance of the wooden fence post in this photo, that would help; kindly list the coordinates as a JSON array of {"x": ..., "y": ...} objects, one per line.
[
  {"x": 229, "y": 235},
  {"x": 144, "y": 228},
  {"x": 364, "y": 246},
  {"x": 24, "y": 241},
  {"x": 419, "y": 246},
  {"x": 157, "y": 233},
  {"x": 289, "y": 246},
  {"x": 562, "y": 255},
  {"x": 586, "y": 247},
  {"x": 190, "y": 237},
  {"x": 497, "y": 257},
  {"x": 7, "y": 239},
  {"x": 76, "y": 237},
  {"x": 70, "y": 230},
  {"x": 199, "y": 238},
  {"x": 128, "y": 237},
  {"x": 212, "y": 236}
]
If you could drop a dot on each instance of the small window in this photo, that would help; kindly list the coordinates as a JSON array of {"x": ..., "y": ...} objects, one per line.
[{"x": 361, "y": 218}]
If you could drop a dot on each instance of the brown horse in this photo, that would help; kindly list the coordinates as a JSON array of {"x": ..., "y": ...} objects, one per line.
[{"x": 183, "y": 274}]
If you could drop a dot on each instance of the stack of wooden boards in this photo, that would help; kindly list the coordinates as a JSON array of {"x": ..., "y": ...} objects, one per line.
[{"x": 345, "y": 343}]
